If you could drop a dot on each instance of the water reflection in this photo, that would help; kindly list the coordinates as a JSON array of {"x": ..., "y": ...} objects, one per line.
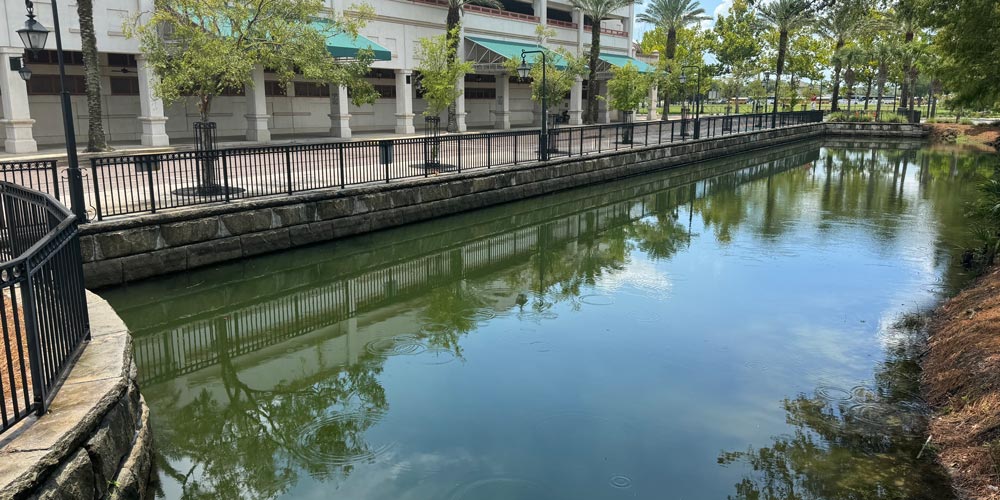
[
  {"x": 349, "y": 364},
  {"x": 851, "y": 443}
]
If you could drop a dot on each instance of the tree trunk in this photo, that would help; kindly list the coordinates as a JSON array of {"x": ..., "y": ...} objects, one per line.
[
  {"x": 904, "y": 91},
  {"x": 671, "y": 43},
  {"x": 782, "y": 48},
  {"x": 881, "y": 90},
  {"x": 96, "y": 141},
  {"x": 592, "y": 85},
  {"x": 868, "y": 93},
  {"x": 454, "y": 18},
  {"x": 835, "y": 105}
]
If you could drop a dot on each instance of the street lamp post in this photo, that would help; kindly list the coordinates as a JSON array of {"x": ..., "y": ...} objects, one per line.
[
  {"x": 821, "y": 96},
  {"x": 34, "y": 36},
  {"x": 774, "y": 109},
  {"x": 523, "y": 71},
  {"x": 761, "y": 112},
  {"x": 697, "y": 100}
]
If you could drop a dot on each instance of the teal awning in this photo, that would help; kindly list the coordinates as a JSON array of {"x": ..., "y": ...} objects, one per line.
[
  {"x": 341, "y": 44},
  {"x": 620, "y": 60},
  {"x": 512, "y": 50}
]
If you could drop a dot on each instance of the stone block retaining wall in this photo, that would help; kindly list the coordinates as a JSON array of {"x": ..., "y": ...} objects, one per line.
[
  {"x": 95, "y": 441},
  {"x": 129, "y": 249}
]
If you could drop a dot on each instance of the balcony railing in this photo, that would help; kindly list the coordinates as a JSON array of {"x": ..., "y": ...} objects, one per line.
[
  {"x": 561, "y": 24},
  {"x": 607, "y": 31}
]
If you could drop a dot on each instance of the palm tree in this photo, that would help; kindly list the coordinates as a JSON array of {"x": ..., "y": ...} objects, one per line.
[
  {"x": 904, "y": 16},
  {"x": 850, "y": 56},
  {"x": 843, "y": 22},
  {"x": 883, "y": 52},
  {"x": 96, "y": 140},
  {"x": 786, "y": 16},
  {"x": 453, "y": 20},
  {"x": 672, "y": 15},
  {"x": 597, "y": 11}
]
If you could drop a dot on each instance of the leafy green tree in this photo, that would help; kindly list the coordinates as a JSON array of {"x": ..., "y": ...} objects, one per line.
[
  {"x": 205, "y": 47},
  {"x": 968, "y": 35},
  {"x": 842, "y": 22},
  {"x": 883, "y": 52},
  {"x": 453, "y": 31},
  {"x": 628, "y": 88},
  {"x": 737, "y": 45},
  {"x": 786, "y": 17},
  {"x": 597, "y": 11},
  {"x": 670, "y": 16},
  {"x": 561, "y": 69},
  {"x": 439, "y": 70},
  {"x": 96, "y": 140}
]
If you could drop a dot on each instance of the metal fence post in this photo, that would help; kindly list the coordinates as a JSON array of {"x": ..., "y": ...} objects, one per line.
[
  {"x": 489, "y": 150},
  {"x": 55, "y": 179},
  {"x": 97, "y": 190},
  {"x": 288, "y": 167},
  {"x": 34, "y": 349},
  {"x": 460, "y": 153},
  {"x": 149, "y": 179},
  {"x": 340, "y": 158},
  {"x": 225, "y": 176}
]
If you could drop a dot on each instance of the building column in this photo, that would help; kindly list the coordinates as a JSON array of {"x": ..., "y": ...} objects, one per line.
[
  {"x": 629, "y": 26},
  {"x": 603, "y": 113},
  {"x": 404, "y": 102},
  {"x": 541, "y": 7},
  {"x": 460, "y": 113},
  {"x": 257, "y": 116},
  {"x": 652, "y": 102},
  {"x": 340, "y": 117},
  {"x": 576, "y": 102},
  {"x": 578, "y": 18},
  {"x": 16, "y": 120},
  {"x": 151, "y": 117},
  {"x": 502, "y": 121}
]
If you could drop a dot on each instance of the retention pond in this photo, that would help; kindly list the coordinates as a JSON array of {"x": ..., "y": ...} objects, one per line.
[{"x": 736, "y": 328}]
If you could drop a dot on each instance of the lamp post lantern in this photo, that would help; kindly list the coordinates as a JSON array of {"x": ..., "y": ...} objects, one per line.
[
  {"x": 523, "y": 71},
  {"x": 34, "y": 35},
  {"x": 684, "y": 104}
]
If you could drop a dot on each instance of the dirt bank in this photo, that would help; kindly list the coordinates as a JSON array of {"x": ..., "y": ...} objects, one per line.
[
  {"x": 962, "y": 381},
  {"x": 985, "y": 136}
]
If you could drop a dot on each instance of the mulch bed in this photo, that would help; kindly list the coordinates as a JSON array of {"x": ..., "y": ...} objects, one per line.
[
  {"x": 13, "y": 337},
  {"x": 962, "y": 381}
]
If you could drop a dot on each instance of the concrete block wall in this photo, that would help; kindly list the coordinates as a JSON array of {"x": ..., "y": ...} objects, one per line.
[
  {"x": 120, "y": 251},
  {"x": 95, "y": 441}
]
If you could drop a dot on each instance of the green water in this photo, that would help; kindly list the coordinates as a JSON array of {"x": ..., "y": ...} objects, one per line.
[{"x": 725, "y": 330}]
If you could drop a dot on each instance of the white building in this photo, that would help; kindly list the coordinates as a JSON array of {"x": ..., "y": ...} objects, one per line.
[{"x": 31, "y": 116}]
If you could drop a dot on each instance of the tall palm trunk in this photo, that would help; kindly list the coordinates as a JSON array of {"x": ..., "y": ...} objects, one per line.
[
  {"x": 881, "y": 89},
  {"x": 837, "y": 66},
  {"x": 904, "y": 91},
  {"x": 782, "y": 48},
  {"x": 453, "y": 19},
  {"x": 868, "y": 93},
  {"x": 96, "y": 141},
  {"x": 671, "y": 51},
  {"x": 592, "y": 84}
]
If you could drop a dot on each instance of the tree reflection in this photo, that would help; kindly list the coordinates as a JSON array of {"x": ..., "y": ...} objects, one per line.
[{"x": 862, "y": 448}]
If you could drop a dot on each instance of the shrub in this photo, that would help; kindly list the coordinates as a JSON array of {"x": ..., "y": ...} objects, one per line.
[
  {"x": 965, "y": 121},
  {"x": 849, "y": 116},
  {"x": 893, "y": 118}
]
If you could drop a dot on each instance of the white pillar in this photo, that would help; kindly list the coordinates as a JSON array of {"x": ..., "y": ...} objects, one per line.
[
  {"x": 502, "y": 121},
  {"x": 151, "y": 116},
  {"x": 16, "y": 120},
  {"x": 340, "y": 117},
  {"x": 603, "y": 114},
  {"x": 541, "y": 11},
  {"x": 257, "y": 116},
  {"x": 652, "y": 102},
  {"x": 576, "y": 102},
  {"x": 404, "y": 102},
  {"x": 578, "y": 19},
  {"x": 460, "y": 125},
  {"x": 629, "y": 26}
]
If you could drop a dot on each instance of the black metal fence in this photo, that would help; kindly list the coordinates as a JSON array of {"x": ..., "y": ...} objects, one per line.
[
  {"x": 43, "y": 306},
  {"x": 121, "y": 185}
]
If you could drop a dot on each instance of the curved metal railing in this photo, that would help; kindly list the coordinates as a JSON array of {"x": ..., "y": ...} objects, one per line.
[{"x": 43, "y": 304}]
